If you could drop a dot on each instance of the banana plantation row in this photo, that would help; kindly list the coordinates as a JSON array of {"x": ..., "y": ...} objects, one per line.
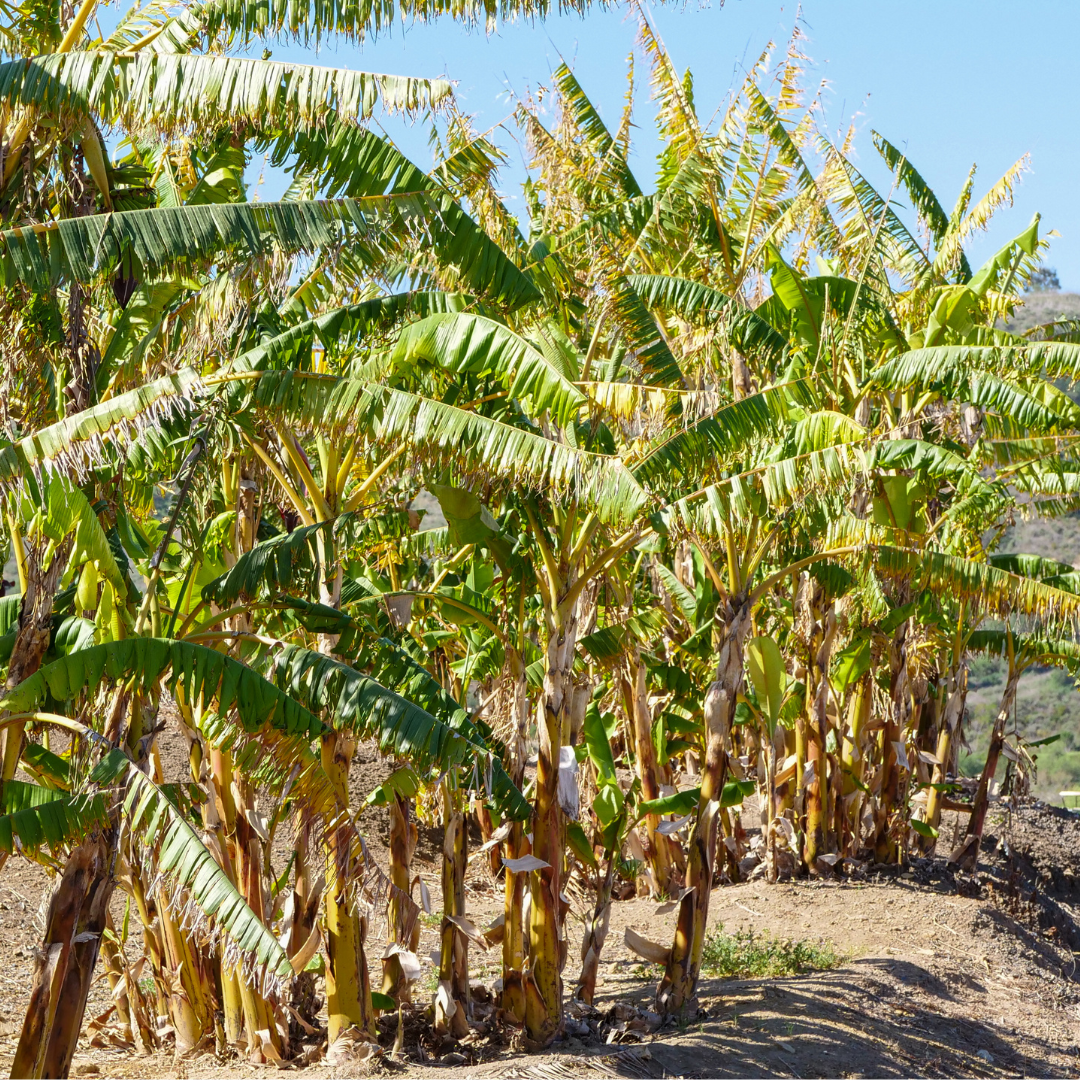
[{"x": 724, "y": 464}]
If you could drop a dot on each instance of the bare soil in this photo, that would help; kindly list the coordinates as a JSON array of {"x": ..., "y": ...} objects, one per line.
[{"x": 944, "y": 974}]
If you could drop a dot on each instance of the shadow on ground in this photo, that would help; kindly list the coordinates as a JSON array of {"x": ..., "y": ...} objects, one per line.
[{"x": 876, "y": 1017}]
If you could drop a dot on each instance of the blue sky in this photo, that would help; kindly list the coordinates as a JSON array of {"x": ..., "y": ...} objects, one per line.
[{"x": 953, "y": 82}]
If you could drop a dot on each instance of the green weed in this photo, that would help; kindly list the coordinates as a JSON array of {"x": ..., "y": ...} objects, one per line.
[{"x": 746, "y": 955}]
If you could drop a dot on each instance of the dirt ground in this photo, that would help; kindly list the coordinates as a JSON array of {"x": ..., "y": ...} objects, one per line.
[{"x": 943, "y": 975}]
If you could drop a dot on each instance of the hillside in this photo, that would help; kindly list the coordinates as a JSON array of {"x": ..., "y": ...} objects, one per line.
[
  {"x": 1044, "y": 307},
  {"x": 1047, "y": 701}
]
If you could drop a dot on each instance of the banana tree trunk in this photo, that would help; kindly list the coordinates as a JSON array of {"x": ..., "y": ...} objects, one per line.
[
  {"x": 175, "y": 1006},
  {"x": 32, "y": 635},
  {"x": 487, "y": 828},
  {"x": 814, "y": 770},
  {"x": 348, "y": 984},
  {"x": 516, "y": 846},
  {"x": 219, "y": 818},
  {"x": 114, "y": 970},
  {"x": 596, "y": 931},
  {"x": 248, "y": 855},
  {"x": 969, "y": 856},
  {"x": 398, "y": 920},
  {"x": 547, "y": 948},
  {"x": 131, "y": 1001},
  {"x": 307, "y": 892},
  {"x": 187, "y": 981},
  {"x": 679, "y": 984},
  {"x": 65, "y": 964},
  {"x": 77, "y": 916},
  {"x": 514, "y": 931},
  {"x": 813, "y": 838},
  {"x": 452, "y": 1005},
  {"x": 772, "y": 807},
  {"x": 952, "y": 715},
  {"x": 228, "y": 815},
  {"x": 232, "y": 1001},
  {"x": 885, "y": 846},
  {"x": 663, "y": 852},
  {"x": 818, "y": 808},
  {"x": 853, "y": 756},
  {"x": 348, "y": 989},
  {"x": 798, "y": 800}
]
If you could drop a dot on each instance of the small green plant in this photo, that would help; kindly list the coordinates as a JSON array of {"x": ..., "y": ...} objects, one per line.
[{"x": 746, "y": 955}]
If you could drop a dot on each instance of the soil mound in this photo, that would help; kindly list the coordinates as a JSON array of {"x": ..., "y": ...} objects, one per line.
[{"x": 942, "y": 974}]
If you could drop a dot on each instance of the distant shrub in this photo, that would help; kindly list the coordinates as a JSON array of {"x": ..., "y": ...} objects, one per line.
[{"x": 1044, "y": 279}]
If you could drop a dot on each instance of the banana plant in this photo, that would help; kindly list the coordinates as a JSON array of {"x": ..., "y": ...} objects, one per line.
[
  {"x": 769, "y": 678},
  {"x": 1020, "y": 651},
  {"x": 613, "y": 810},
  {"x": 761, "y": 528}
]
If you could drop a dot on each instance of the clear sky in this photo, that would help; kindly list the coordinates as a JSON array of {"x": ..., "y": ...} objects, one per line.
[{"x": 952, "y": 82}]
